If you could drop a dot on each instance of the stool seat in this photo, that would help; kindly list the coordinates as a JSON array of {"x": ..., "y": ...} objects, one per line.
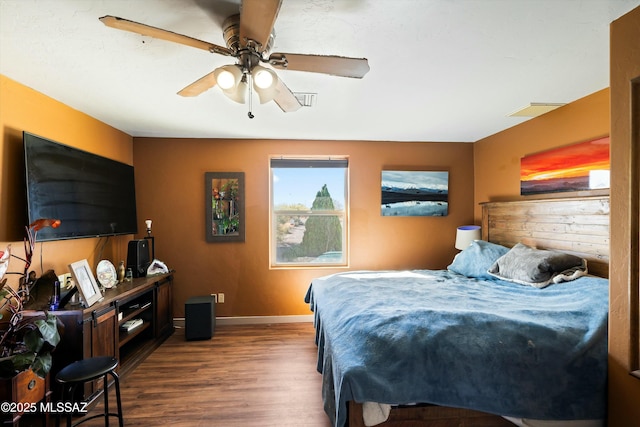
[{"x": 87, "y": 369}]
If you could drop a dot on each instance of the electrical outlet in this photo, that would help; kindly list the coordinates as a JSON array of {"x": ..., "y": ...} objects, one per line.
[
  {"x": 221, "y": 298},
  {"x": 215, "y": 298}
]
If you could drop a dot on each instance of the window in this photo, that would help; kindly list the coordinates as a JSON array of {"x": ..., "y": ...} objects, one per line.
[{"x": 309, "y": 205}]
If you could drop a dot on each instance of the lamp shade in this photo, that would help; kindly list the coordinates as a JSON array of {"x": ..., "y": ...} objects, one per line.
[
  {"x": 265, "y": 82},
  {"x": 466, "y": 234},
  {"x": 229, "y": 79},
  {"x": 226, "y": 80}
]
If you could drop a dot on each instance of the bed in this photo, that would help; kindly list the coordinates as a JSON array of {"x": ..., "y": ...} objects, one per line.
[{"x": 471, "y": 346}]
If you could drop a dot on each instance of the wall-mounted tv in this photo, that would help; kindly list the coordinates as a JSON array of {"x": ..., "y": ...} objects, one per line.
[{"x": 93, "y": 196}]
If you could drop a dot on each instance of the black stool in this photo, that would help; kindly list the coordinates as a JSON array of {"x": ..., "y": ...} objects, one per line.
[{"x": 85, "y": 370}]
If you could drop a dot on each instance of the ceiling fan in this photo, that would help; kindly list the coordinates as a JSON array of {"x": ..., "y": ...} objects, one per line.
[{"x": 249, "y": 37}]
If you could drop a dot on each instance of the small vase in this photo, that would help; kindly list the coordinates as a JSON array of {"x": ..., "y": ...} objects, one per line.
[{"x": 121, "y": 272}]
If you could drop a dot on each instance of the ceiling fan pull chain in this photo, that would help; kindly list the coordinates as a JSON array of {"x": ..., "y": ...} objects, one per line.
[{"x": 250, "y": 83}]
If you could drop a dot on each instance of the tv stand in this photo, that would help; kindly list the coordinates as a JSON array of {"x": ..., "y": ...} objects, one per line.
[{"x": 99, "y": 330}]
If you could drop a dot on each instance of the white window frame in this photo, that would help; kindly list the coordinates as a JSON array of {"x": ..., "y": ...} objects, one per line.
[{"x": 276, "y": 162}]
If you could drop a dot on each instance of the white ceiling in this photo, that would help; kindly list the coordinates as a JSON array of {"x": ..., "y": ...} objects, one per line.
[{"x": 441, "y": 70}]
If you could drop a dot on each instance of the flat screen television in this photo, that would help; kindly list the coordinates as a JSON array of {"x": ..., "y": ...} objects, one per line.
[{"x": 92, "y": 196}]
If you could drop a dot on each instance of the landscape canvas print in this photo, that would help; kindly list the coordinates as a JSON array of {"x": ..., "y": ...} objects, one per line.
[
  {"x": 415, "y": 193},
  {"x": 576, "y": 167}
]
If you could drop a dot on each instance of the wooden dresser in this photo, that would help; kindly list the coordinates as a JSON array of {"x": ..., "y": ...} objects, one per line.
[{"x": 98, "y": 331}]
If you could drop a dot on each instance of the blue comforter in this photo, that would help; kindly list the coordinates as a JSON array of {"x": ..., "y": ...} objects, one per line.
[{"x": 401, "y": 337}]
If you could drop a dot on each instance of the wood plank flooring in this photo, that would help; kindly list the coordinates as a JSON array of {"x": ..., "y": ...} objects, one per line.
[{"x": 248, "y": 375}]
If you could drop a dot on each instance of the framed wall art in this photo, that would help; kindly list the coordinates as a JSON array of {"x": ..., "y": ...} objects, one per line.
[
  {"x": 224, "y": 206},
  {"x": 414, "y": 193},
  {"x": 576, "y": 167},
  {"x": 85, "y": 282}
]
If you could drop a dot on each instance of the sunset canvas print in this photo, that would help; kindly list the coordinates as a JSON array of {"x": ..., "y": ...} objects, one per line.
[{"x": 577, "y": 167}]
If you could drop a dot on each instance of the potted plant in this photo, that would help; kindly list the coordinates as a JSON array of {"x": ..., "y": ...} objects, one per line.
[
  {"x": 28, "y": 340},
  {"x": 29, "y": 337}
]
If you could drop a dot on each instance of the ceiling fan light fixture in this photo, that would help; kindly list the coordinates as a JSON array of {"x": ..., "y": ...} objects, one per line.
[
  {"x": 226, "y": 80},
  {"x": 229, "y": 79},
  {"x": 265, "y": 83},
  {"x": 228, "y": 76},
  {"x": 263, "y": 77},
  {"x": 249, "y": 37},
  {"x": 239, "y": 93}
]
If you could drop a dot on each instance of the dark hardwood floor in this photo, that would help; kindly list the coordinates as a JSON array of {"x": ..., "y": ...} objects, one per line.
[{"x": 249, "y": 375}]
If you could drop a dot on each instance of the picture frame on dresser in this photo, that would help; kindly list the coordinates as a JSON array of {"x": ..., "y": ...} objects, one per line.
[
  {"x": 85, "y": 282},
  {"x": 224, "y": 206}
]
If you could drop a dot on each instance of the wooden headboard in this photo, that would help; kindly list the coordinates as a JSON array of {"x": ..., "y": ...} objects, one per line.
[{"x": 578, "y": 225}]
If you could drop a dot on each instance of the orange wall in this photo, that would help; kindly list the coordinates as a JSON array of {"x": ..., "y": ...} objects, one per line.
[
  {"x": 497, "y": 167},
  {"x": 170, "y": 191},
  {"x": 22, "y": 108},
  {"x": 170, "y": 174},
  {"x": 497, "y": 157},
  {"x": 624, "y": 390}
]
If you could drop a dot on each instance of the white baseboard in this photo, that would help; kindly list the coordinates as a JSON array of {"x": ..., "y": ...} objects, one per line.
[{"x": 253, "y": 320}]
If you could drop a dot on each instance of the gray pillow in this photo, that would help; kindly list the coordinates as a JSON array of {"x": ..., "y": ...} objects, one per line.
[
  {"x": 475, "y": 260},
  {"x": 536, "y": 267}
]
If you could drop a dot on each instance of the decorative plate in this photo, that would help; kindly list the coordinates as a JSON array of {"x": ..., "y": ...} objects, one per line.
[{"x": 106, "y": 273}]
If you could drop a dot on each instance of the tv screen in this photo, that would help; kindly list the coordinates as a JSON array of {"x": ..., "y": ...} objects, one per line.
[{"x": 91, "y": 195}]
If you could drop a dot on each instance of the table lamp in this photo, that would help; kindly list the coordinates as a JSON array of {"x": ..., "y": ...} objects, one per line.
[
  {"x": 149, "y": 237},
  {"x": 466, "y": 234}
]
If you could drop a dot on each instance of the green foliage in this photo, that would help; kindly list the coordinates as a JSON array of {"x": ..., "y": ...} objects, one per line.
[
  {"x": 231, "y": 189},
  {"x": 323, "y": 200},
  {"x": 28, "y": 344},
  {"x": 29, "y": 339},
  {"x": 322, "y": 233}
]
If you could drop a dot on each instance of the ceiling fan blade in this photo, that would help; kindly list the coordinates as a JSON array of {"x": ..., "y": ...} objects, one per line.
[
  {"x": 326, "y": 64},
  {"x": 257, "y": 18},
  {"x": 158, "y": 33},
  {"x": 203, "y": 84},
  {"x": 285, "y": 99}
]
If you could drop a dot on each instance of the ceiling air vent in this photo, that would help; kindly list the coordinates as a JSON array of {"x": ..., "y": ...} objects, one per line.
[
  {"x": 306, "y": 99},
  {"x": 535, "y": 109}
]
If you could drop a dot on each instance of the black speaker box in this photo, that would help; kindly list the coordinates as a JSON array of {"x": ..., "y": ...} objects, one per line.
[
  {"x": 138, "y": 257},
  {"x": 199, "y": 318}
]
